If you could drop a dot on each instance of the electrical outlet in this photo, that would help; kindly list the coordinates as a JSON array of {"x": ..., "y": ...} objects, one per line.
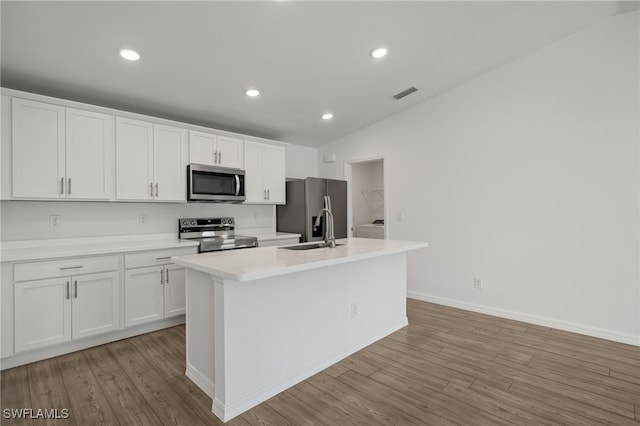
[
  {"x": 55, "y": 220},
  {"x": 477, "y": 283},
  {"x": 142, "y": 219},
  {"x": 354, "y": 310}
]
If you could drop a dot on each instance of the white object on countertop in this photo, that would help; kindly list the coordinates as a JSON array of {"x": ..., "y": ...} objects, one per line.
[
  {"x": 246, "y": 265},
  {"x": 370, "y": 230}
]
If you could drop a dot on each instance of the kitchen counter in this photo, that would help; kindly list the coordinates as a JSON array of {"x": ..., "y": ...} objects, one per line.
[
  {"x": 263, "y": 262},
  {"x": 14, "y": 251},
  {"x": 261, "y": 320}
]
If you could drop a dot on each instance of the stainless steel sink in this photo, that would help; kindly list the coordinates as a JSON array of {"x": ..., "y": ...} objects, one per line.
[{"x": 308, "y": 246}]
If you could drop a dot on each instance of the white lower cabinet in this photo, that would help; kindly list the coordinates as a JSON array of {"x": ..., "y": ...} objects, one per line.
[
  {"x": 143, "y": 295},
  {"x": 174, "y": 290},
  {"x": 56, "y": 310},
  {"x": 153, "y": 292}
]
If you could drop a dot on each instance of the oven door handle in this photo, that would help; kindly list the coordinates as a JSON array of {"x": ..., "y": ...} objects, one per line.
[{"x": 237, "y": 185}]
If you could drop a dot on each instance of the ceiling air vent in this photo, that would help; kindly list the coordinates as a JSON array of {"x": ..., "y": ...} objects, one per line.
[{"x": 404, "y": 93}]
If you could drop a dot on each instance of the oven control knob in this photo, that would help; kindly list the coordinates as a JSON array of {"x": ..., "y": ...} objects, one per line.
[
  {"x": 193, "y": 222},
  {"x": 185, "y": 223}
]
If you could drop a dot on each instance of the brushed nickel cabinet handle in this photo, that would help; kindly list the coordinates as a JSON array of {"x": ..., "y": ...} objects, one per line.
[
  {"x": 166, "y": 280},
  {"x": 67, "y": 290},
  {"x": 61, "y": 186},
  {"x": 156, "y": 189},
  {"x": 268, "y": 194},
  {"x": 75, "y": 288},
  {"x": 151, "y": 189},
  {"x": 64, "y": 268},
  {"x": 69, "y": 186}
]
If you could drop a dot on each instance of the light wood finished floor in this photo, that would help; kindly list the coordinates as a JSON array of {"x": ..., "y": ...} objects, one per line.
[{"x": 447, "y": 367}]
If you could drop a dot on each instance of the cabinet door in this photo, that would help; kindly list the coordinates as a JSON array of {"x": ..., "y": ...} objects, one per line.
[
  {"x": 254, "y": 173},
  {"x": 42, "y": 312},
  {"x": 230, "y": 152},
  {"x": 143, "y": 295},
  {"x": 38, "y": 149},
  {"x": 170, "y": 163},
  {"x": 95, "y": 304},
  {"x": 174, "y": 290},
  {"x": 134, "y": 159},
  {"x": 201, "y": 148},
  {"x": 274, "y": 179},
  {"x": 89, "y": 155}
]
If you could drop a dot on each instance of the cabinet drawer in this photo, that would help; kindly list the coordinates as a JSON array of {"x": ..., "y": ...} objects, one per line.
[
  {"x": 155, "y": 257},
  {"x": 64, "y": 267}
]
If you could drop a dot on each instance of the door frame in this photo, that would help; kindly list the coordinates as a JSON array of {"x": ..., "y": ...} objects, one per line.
[{"x": 348, "y": 166}]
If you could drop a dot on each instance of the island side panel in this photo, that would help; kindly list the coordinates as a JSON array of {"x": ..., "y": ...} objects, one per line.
[
  {"x": 200, "y": 332},
  {"x": 281, "y": 330}
]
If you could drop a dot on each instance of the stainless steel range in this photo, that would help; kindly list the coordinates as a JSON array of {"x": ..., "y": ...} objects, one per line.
[{"x": 214, "y": 233}]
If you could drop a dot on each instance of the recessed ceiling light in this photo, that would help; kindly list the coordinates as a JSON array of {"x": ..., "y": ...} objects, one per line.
[
  {"x": 327, "y": 116},
  {"x": 130, "y": 55},
  {"x": 379, "y": 52},
  {"x": 252, "y": 92}
]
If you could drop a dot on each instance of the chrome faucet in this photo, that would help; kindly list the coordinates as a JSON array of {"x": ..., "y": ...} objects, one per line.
[{"x": 329, "y": 237}]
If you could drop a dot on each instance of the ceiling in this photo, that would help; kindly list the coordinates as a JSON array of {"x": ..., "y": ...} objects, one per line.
[{"x": 307, "y": 58}]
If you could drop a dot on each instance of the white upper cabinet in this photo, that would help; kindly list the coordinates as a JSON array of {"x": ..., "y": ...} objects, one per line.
[
  {"x": 230, "y": 152},
  {"x": 264, "y": 173},
  {"x": 169, "y": 163},
  {"x": 134, "y": 159},
  {"x": 60, "y": 153},
  {"x": 150, "y": 161},
  {"x": 213, "y": 150},
  {"x": 89, "y": 155}
]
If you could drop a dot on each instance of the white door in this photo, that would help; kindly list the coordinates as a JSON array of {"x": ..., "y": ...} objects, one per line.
[
  {"x": 230, "y": 152},
  {"x": 255, "y": 191},
  {"x": 170, "y": 163},
  {"x": 95, "y": 304},
  {"x": 174, "y": 290},
  {"x": 42, "y": 312},
  {"x": 143, "y": 295},
  {"x": 38, "y": 149},
  {"x": 202, "y": 147},
  {"x": 89, "y": 155},
  {"x": 274, "y": 174},
  {"x": 134, "y": 159}
]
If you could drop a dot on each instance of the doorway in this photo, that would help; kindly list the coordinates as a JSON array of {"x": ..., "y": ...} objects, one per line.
[{"x": 366, "y": 198}]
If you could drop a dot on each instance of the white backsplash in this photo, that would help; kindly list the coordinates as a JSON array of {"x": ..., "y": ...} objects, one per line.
[{"x": 29, "y": 220}]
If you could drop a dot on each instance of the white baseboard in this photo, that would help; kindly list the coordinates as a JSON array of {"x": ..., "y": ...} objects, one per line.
[
  {"x": 231, "y": 409},
  {"x": 206, "y": 385},
  {"x": 601, "y": 333}
]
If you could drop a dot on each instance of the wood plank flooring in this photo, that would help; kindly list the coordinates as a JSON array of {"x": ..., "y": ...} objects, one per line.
[{"x": 448, "y": 367}]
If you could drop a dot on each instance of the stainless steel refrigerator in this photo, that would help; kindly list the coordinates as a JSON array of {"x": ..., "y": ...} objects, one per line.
[{"x": 305, "y": 198}]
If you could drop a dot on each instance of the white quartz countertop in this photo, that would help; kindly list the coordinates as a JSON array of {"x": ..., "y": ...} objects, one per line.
[
  {"x": 263, "y": 262},
  {"x": 13, "y": 251}
]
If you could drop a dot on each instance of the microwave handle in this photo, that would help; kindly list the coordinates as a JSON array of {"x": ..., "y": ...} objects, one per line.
[{"x": 237, "y": 185}]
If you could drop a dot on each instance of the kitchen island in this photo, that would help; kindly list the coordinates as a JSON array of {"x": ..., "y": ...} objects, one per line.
[{"x": 261, "y": 320}]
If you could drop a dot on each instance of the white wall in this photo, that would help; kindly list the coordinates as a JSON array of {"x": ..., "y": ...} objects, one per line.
[
  {"x": 528, "y": 178},
  {"x": 28, "y": 220}
]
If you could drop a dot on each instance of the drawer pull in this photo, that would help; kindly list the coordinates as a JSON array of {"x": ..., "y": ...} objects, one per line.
[
  {"x": 75, "y": 288},
  {"x": 67, "y": 290},
  {"x": 64, "y": 268},
  {"x": 163, "y": 258}
]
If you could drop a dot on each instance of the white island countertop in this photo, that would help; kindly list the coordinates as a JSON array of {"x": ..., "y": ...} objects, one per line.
[{"x": 263, "y": 262}]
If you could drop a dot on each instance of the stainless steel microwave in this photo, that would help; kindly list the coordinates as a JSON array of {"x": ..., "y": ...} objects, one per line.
[{"x": 215, "y": 184}]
